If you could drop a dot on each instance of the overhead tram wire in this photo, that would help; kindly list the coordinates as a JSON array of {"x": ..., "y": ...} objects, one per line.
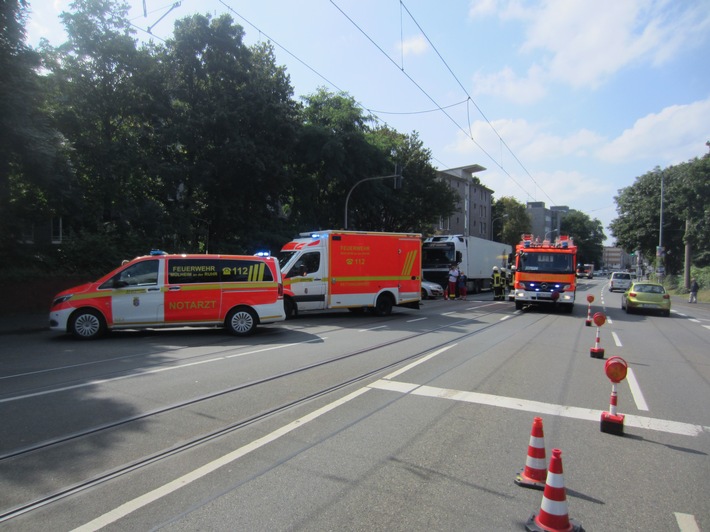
[
  {"x": 439, "y": 107},
  {"x": 474, "y": 102}
]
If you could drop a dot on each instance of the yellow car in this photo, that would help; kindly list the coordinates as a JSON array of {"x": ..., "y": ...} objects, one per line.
[{"x": 645, "y": 295}]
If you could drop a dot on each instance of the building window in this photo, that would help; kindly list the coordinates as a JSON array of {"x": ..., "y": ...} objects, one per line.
[{"x": 57, "y": 230}]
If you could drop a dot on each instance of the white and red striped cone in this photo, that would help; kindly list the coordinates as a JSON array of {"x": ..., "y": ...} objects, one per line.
[
  {"x": 553, "y": 516},
  {"x": 534, "y": 473},
  {"x": 588, "y": 322}
]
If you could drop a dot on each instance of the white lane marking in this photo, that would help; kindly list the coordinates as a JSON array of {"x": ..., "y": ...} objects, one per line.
[
  {"x": 372, "y": 328},
  {"x": 513, "y": 403},
  {"x": 505, "y": 318},
  {"x": 707, "y": 326},
  {"x": 417, "y": 362},
  {"x": 694, "y": 320},
  {"x": 609, "y": 321},
  {"x": 686, "y": 522},
  {"x": 158, "y": 493},
  {"x": 636, "y": 392},
  {"x": 417, "y": 319},
  {"x": 143, "y": 373},
  {"x": 617, "y": 341}
]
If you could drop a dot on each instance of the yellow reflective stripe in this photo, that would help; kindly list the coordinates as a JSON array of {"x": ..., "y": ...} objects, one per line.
[
  {"x": 409, "y": 263},
  {"x": 90, "y": 295},
  {"x": 256, "y": 272}
]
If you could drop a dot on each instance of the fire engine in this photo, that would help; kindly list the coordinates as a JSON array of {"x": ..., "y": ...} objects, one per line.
[
  {"x": 545, "y": 272},
  {"x": 351, "y": 269}
]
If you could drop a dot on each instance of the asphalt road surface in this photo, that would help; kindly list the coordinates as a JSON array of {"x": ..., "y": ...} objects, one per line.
[{"x": 336, "y": 421}]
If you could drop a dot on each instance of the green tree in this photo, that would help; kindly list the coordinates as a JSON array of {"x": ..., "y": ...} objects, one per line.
[
  {"x": 686, "y": 216},
  {"x": 230, "y": 138},
  {"x": 510, "y": 220},
  {"x": 588, "y": 235},
  {"x": 33, "y": 155},
  {"x": 103, "y": 92},
  {"x": 333, "y": 153}
]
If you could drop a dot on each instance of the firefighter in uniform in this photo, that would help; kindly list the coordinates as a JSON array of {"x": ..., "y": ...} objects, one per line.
[{"x": 498, "y": 284}]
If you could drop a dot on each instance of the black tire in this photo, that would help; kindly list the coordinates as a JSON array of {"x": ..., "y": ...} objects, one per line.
[
  {"x": 518, "y": 305},
  {"x": 383, "y": 306},
  {"x": 290, "y": 308},
  {"x": 87, "y": 324},
  {"x": 424, "y": 295},
  {"x": 241, "y": 321}
]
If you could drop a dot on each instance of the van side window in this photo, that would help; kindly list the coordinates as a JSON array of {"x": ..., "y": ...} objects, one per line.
[
  {"x": 190, "y": 271},
  {"x": 242, "y": 271},
  {"x": 143, "y": 273}
]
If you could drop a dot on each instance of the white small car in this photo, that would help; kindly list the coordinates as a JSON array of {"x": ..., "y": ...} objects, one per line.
[
  {"x": 431, "y": 290},
  {"x": 620, "y": 281}
]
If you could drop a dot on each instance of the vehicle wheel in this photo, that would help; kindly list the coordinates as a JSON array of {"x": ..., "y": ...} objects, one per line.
[
  {"x": 424, "y": 295},
  {"x": 241, "y": 321},
  {"x": 518, "y": 305},
  {"x": 383, "y": 307},
  {"x": 87, "y": 324},
  {"x": 290, "y": 308}
]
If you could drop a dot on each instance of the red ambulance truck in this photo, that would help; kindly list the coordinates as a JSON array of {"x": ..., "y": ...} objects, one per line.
[{"x": 352, "y": 270}]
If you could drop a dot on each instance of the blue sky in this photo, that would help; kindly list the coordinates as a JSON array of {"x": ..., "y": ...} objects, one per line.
[{"x": 563, "y": 101}]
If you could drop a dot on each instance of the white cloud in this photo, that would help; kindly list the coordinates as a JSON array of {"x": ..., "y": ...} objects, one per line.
[
  {"x": 530, "y": 142},
  {"x": 414, "y": 45},
  {"x": 676, "y": 134},
  {"x": 585, "y": 43},
  {"x": 516, "y": 89},
  {"x": 482, "y": 8}
]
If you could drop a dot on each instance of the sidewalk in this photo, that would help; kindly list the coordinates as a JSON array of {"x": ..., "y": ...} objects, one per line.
[{"x": 24, "y": 323}]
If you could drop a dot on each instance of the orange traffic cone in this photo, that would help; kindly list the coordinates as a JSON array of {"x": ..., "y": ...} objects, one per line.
[
  {"x": 534, "y": 473},
  {"x": 553, "y": 515}
]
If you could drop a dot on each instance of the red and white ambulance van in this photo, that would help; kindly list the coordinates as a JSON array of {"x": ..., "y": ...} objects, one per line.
[
  {"x": 352, "y": 269},
  {"x": 160, "y": 290}
]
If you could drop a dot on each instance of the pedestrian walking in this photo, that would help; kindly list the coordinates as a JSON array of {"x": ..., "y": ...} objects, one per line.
[
  {"x": 461, "y": 280},
  {"x": 693, "y": 291},
  {"x": 453, "y": 278}
]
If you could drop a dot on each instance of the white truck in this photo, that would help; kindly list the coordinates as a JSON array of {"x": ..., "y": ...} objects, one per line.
[{"x": 475, "y": 257}]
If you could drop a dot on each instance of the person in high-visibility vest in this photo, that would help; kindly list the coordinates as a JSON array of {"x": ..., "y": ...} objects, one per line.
[{"x": 498, "y": 284}]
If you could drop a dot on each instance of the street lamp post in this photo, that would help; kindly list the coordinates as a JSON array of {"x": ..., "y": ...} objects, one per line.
[
  {"x": 549, "y": 233},
  {"x": 660, "y": 270},
  {"x": 347, "y": 198}
]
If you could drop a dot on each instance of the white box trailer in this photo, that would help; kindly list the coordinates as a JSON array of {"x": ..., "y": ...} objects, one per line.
[{"x": 475, "y": 256}]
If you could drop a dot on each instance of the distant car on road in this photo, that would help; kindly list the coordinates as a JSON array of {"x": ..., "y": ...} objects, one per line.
[
  {"x": 619, "y": 281},
  {"x": 431, "y": 290},
  {"x": 645, "y": 295}
]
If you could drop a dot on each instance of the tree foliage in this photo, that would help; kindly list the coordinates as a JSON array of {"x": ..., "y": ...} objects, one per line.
[
  {"x": 588, "y": 235},
  {"x": 192, "y": 145},
  {"x": 510, "y": 220},
  {"x": 33, "y": 165},
  {"x": 686, "y": 214}
]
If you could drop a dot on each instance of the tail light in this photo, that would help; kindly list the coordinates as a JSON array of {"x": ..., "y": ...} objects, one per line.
[
  {"x": 666, "y": 296},
  {"x": 632, "y": 294}
]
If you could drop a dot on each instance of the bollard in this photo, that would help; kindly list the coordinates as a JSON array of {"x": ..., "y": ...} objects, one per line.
[
  {"x": 596, "y": 351},
  {"x": 612, "y": 422},
  {"x": 590, "y": 299}
]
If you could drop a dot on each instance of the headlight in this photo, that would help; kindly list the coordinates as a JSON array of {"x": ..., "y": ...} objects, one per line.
[{"x": 61, "y": 300}]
